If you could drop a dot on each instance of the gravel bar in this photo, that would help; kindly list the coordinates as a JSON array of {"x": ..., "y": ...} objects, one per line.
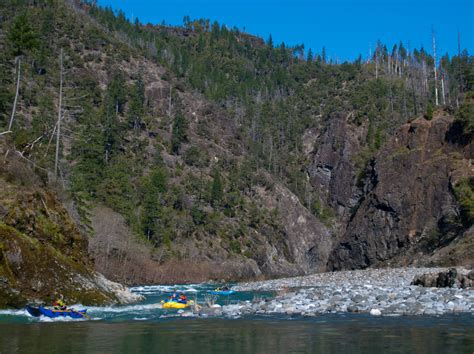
[{"x": 384, "y": 291}]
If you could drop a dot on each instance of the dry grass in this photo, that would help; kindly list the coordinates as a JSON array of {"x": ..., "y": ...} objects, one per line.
[{"x": 121, "y": 257}]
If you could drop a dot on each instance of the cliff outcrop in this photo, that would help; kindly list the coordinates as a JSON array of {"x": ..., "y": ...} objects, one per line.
[{"x": 409, "y": 211}]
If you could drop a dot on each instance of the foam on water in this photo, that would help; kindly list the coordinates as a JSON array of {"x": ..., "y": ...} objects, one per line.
[
  {"x": 160, "y": 289},
  {"x": 14, "y": 313},
  {"x": 60, "y": 319},
  {"x": 124, "y": 309}
]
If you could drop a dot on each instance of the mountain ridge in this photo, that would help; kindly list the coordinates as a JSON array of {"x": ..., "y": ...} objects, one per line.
[{"x": 219, "y": 155}]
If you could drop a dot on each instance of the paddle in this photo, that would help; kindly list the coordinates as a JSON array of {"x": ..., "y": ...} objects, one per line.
[
  {"x": 83, "y": 314},
  {"x": 86, "y": 316}
]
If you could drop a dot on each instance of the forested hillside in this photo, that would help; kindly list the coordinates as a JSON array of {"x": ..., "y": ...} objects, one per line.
[{"x": 200, "y": 151}]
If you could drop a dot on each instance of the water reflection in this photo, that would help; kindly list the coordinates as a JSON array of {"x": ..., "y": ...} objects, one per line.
[{"x": 327, "y": 334}]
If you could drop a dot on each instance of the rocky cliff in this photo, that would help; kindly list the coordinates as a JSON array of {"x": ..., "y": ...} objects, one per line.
[
  {"x": 333, "y": 168},
  {"x": 408, "y": 211}
]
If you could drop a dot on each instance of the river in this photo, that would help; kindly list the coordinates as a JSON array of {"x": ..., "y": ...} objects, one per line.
[{"x": 145, "y": 328}]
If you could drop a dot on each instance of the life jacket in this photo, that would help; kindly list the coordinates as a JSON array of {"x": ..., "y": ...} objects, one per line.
[{"x": 59, "y": 305}]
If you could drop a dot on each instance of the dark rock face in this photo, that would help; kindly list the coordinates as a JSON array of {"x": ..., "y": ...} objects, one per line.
[
  {"x": 332, "y": 170},
  {"x": 307, "y": 240},
  {"x": 409, "y": 202},
  {"x": 446, "y": 279}
]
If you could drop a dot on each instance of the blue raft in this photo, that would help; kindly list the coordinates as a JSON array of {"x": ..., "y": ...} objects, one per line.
[
  {"x": 222, "y": 292},
  {"x": 51, "y": 313}
]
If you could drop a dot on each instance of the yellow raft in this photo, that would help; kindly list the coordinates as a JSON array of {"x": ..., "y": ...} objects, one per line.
[{"x": 176, "y": 305}]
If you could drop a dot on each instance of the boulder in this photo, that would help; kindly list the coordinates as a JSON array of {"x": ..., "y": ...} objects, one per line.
[
  {"x": 445, "y": 279},
  {"x": 375, "y": 312}
]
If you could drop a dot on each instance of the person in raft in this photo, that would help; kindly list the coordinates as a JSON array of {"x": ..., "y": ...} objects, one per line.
[
  {"x": 224, "y": 288},
  {"x": 174, "y": 296},
  {"x": 59, "y": 305},
  {"x": 182, "y": 298}
]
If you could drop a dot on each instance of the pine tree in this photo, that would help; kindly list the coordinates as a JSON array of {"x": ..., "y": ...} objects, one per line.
[
  {"x": 153, "y": 189},
  {"x": 114, "y": 102},
  {"x": 178, "y": 135},
  {"x": 22, "y": 36},
  {"x": 137, "y": 99},
  {"x": 5, "y": 95},
  {"x": 88, "y": 151},
  {"x": 217, "y": 189}
]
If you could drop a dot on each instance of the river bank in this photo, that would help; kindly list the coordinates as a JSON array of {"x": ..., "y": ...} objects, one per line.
[
  {"x": 371, "y": 291},
  {"x": 374, "y": 291}
]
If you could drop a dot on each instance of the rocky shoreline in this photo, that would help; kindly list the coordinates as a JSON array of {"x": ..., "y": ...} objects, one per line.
[{"x": 374, "y": 291}]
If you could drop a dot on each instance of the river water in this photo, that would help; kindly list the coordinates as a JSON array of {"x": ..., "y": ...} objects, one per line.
[{"x": 145, "y": 328}]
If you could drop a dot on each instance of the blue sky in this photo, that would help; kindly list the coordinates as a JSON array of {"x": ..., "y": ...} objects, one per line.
[{"x": 346, "y": 28}]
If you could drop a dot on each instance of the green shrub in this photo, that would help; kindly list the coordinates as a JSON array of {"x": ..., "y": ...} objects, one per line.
[
  {"x": 198, "y": 215},
  {"x": 196, "y": 157},
  {"x": 465, "y": 115},
  {"x": 429, "y": 112},
  {"x": 464, "y": 191},
  {"x": 234, "y": 246},
  {"x": 325, "y": 214}
]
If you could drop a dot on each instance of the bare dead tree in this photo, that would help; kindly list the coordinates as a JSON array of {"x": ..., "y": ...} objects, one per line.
[
  {"x": 460, "y": 69},
  {"x": 443, "y": 94},
  {"x": 12, "y": 117},
  {"x": 370, "y": 53},
  {"x": 389, "y": 65},
  {"x": 50, "y": 140},
  {"x": 425, "y": 77},
  {"x": 58, "y": 124},
  {"x": 377, "y": 62},
  {"x": 435, "y": 66},
  {"x": 414, "y": 95},
  {"x": 169, "y": 103}
]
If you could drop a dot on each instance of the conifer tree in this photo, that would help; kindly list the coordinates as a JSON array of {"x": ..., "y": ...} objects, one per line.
[
  {"x": 178, "y": 135},
  {"x": 22, "y": 36},
  {"x": 153, "y": 189},
  {"x": 217, "y": 190}
]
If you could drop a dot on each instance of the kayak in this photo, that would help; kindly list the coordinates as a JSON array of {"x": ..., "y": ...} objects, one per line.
[
  {"x": 222, "y": 292},
  {"x": 51, "y": 313},
  {"x": 176, "y": 305}
]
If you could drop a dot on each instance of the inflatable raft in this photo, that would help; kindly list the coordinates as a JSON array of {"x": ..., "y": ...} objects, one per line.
[
  {"x": 51, "y": 313},
  {"x": 176, "y": 304}
]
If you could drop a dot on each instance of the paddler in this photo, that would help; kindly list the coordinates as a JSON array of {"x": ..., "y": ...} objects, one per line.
[
  {"x": 174, "y": 296},
  {"x": 182, "y": 298},
  {"x": 59, "y": 305}
]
